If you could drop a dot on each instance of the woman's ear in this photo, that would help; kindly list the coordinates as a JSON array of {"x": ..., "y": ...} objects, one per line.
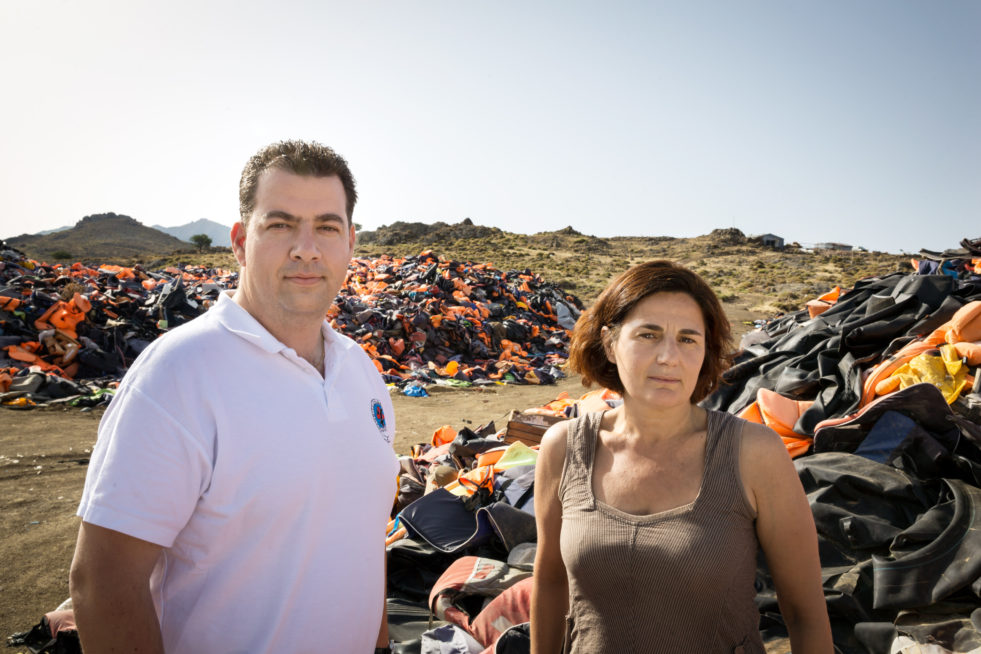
[{"x": 606, "y": 338}]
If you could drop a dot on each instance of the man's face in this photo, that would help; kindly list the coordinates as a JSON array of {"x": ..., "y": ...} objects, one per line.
[{"x": 296, "y": 248}]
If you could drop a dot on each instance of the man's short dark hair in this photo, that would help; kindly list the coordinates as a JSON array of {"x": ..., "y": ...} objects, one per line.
[
  {"x": 310, "y": 159},
  {"x": 587, "y": 351}
]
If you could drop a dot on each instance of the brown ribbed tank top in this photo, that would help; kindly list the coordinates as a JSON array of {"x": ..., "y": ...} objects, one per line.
[{"x": 676, "y": 581}]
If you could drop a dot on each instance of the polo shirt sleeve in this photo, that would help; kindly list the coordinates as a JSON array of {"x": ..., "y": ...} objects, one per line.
[{"x": 147, "y": 470}]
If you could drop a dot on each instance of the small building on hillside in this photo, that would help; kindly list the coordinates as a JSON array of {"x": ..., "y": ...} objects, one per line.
[
  {"x": 771, "y": 241},
  {"x": 833, "y": 246}
]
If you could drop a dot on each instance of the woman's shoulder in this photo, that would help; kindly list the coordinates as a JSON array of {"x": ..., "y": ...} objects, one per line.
[
  {"x": 761, "y": 452},
  {"x": 555, "y": 438},
  {"x": 552, "y": 454},
  {"x": 757, "y": 439}
]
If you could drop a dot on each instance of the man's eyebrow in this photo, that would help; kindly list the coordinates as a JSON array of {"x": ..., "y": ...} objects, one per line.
[
  {"x": 330, "y": 218},
  {"x": 657, "y": 328},
  {"x": 288, "y": 217},
  {"x": 281, "y": 215}
]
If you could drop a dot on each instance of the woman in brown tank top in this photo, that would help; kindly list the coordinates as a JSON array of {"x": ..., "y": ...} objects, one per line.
[{"x": 650, "y": 515}]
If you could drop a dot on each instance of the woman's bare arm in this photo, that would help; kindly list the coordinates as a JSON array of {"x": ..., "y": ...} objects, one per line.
[
  {"x": 550, "y": 592},
  {"x": 785, "y": 528}
]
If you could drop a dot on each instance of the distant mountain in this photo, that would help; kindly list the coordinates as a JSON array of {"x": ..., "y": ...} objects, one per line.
[
  {"x": 219, "y": 233},
  {"x": 106, "y": 237},
  {"x": 52, "y": 231}
]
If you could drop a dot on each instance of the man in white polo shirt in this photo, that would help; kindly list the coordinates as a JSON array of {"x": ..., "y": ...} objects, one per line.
[{"x": 237, "y": 495}]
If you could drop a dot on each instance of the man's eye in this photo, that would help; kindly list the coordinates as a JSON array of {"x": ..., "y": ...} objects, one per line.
[
  {"x": 330, "y": 227},
  {"x": 277, "y": 226}
]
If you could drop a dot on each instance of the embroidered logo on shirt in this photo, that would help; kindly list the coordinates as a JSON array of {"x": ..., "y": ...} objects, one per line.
[{"x": 378, "y": 414}]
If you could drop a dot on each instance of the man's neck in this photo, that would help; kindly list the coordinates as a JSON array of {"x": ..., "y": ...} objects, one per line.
[
  {"x": 310, "y": 348},
  {"x": 301, "y": 333}
]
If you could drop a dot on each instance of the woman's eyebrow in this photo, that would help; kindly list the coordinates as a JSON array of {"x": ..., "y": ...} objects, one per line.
[{"x": 657, "y": 328}]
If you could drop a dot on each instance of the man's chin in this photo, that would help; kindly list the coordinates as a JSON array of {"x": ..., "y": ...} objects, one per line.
[{"x": 304, "y": 308}]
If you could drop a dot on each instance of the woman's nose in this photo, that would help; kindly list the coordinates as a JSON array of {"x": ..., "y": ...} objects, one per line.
[{"x": 667, "y": 350}]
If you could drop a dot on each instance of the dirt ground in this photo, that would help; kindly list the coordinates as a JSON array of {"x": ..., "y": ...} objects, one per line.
[{"x": 44, "y": 455}]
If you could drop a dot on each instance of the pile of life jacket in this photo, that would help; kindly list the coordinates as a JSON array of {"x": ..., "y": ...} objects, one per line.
[
  {"x": 895, "y": 492},
  {"x": 68, "y": 333},
  {"x": 462, "y": 539},
  {"x": 887, "y": 447},
  {"x": 425, "y": 319},
  {"x": 875, "y": 393}
]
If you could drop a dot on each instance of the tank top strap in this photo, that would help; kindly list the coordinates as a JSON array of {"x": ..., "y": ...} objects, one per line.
[
  {"x": 580, "y": 446},
  {"x": 722, "y": 477}
]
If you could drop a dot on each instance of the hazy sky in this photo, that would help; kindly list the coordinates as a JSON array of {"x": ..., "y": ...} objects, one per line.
[{"x": 854, "y": 121}]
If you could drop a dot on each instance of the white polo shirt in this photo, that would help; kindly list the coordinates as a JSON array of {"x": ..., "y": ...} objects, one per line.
[{"x": 268, "y": 486}]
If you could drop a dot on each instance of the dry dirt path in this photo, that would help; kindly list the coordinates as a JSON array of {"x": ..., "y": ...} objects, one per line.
[{"x": 44, "y": 455}]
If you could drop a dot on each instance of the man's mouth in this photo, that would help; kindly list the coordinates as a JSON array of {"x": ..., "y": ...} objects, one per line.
[{"x": 304, "y": 280}]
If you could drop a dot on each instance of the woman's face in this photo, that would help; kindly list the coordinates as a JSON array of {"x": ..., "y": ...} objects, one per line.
[{"x": 659, "y": 349}]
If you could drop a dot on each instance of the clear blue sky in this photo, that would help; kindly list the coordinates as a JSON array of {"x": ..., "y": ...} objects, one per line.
[{"x": 857, "y": 122}]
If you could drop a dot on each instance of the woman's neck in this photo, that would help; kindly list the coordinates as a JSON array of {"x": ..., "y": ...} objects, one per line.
[{"x": 640, "y": 421}]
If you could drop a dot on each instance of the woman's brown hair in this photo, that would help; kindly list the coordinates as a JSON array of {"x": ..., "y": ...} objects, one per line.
[{"x": 587, "y": 353}]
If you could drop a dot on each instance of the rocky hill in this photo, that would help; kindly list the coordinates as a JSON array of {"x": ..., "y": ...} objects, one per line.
[
  {"x": 100, "y": 238},
  {"x": 399, "y": 233},
  {"x": 754, "y": 280}
]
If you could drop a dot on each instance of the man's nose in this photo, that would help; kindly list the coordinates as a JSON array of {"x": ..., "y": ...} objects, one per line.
[{"x": 305, "y": 246}]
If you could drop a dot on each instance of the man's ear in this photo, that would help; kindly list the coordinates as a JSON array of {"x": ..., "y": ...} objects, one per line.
[
  {"x": 352, "y": 238},
  {"x": 238, "y": 242}
]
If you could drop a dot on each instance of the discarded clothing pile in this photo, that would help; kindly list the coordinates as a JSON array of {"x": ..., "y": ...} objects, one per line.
[
  {"x": 462, "y": 545},
  {"x": 69, "y": 332},
  {"x": 424, "y": 319},
  {"x": 875, "y": 393}
]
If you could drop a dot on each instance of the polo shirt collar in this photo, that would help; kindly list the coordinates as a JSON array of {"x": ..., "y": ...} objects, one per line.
[{"x": 240, "y": 322}]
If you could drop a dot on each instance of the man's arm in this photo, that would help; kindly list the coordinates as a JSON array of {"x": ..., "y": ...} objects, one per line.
[
  {"x": 110, "y": 590},
  {"x": 382, "y": 641}
]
